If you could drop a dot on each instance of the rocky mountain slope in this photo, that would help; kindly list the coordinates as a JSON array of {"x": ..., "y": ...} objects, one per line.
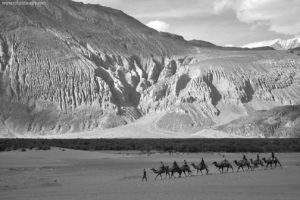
[
  {"x": 70, "y": 67},
  {"x": 278, "y": 44},
  {"x": 277, "y": 122}
]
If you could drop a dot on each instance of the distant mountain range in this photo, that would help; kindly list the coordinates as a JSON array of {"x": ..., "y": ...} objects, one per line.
[
  {"x": 278, "y": 44},
  {"x": 202, "y": 43}
]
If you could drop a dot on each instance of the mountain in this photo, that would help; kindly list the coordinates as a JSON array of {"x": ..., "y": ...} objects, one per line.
[
  {"x": 277, "y": 122},
  {"x": 277, "y": 44},
  {"x": 202, "y": 43},
  {"x": 295, "y": 51},
  {"x": 69, "y": 69}
]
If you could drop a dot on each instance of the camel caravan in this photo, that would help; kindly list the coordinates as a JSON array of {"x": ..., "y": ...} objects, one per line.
[{"x": 185, "y": 169}]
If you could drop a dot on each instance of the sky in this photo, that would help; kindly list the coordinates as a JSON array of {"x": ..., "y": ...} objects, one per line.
[{"x": 223, "y": 22}]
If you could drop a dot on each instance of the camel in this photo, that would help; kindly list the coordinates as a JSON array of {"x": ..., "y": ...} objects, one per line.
[
  {"x": 185, "y": 168},
  {"x": 222, "y": 165},
  {"x": 200, "y": 167},
  {"x": 158, "y": 172},
  {"x": 161, "y": 171},
  {"x": 180, "y": 170},
  {"x": 242, "y": 164},
  {"x": 175, "y": 169},
  {"x": 256, "y": 163},
  {"x": 271, "y": 161}
]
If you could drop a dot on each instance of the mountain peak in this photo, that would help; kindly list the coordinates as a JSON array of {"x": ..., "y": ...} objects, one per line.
[{"x": 278, "y": 44}]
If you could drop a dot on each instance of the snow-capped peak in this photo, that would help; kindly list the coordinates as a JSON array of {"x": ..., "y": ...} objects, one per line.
[{"x": 278, "y": 44}]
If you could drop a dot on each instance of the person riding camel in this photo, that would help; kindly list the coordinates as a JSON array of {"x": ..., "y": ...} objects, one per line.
[
  {"x": 202, "y": 162},
  {"x": 257, "y": 157},
  {"x": 272, "y": 156},
  {"x": 225, "y": 160},
  {"x": 185, "y": 163},
  {"x": 175, "y": 165},
  {"x": 244, "y": 158},
  {"x": 162, "y": 166}
]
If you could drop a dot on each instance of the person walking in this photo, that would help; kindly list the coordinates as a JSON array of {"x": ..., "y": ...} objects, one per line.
[{"x": 144, "y": 175}]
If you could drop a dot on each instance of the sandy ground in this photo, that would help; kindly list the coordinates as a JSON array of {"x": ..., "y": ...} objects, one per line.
[{"x": 73, "y": 174}]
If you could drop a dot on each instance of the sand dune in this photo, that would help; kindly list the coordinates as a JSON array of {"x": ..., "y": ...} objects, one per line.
[{"x": 73, "y": 174}]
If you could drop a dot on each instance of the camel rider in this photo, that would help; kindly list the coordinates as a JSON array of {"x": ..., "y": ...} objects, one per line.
[
  {"x": 202, "y": 162},
  {"x": 162, "y": 166},
  {"x": 225, "y": 160},
  {"x": 185, "y": 163},
  {"x": 244, "y": 158},
  {"x": 175, "y": 165},
  {"x": 272, "y": 156},
  {"x": 257, "y": 157}
]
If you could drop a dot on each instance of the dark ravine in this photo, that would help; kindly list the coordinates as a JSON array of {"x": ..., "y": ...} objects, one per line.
[{"x": 73, "y": 67}]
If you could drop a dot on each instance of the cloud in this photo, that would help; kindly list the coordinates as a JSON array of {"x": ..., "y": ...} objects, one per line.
[
  {"x": 158, "y": 25},
  {"x": 280, "y": 16},
  {"x": 221, "y": 22}
]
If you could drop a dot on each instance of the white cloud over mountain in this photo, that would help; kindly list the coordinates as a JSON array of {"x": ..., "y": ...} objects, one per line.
[
  {"x": 219, "y": 21},
  {"x": 159, "y": 25},
  {"x": 281, "y": 16}
]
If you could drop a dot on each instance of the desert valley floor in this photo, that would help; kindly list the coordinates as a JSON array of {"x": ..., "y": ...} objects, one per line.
[{"x": 72, "y": 174}]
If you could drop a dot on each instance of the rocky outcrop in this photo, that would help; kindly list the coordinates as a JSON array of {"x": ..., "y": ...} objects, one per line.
[
  {"x": 278, "y": 122},
  {"x": 206, "y": 87},
  {"x": 71, "y": 67}
]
